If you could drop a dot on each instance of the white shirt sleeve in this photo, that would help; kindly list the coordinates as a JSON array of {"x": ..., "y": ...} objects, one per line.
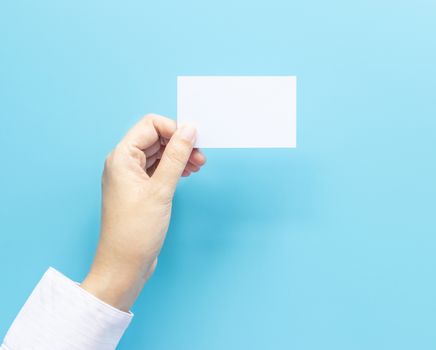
[{"x": 61, "y": 315}]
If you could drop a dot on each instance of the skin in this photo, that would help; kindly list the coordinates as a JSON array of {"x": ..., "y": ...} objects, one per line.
[{"x": 139, "y": 181}]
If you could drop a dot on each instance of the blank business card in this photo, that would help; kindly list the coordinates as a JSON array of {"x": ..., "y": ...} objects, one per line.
[{"x": 239, "y": 111}]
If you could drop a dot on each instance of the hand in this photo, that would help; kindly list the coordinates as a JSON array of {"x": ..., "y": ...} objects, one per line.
[{"x": 139, "y": 180}]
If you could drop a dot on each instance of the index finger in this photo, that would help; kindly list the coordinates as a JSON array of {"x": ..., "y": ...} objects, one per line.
[{"x": 148, "y": 130}]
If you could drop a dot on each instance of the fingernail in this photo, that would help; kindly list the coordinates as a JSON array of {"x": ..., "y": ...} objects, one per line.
[{"x": 188, "y": 132}]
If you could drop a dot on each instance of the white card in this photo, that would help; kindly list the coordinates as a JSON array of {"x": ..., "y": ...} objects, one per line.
[{"x": 239, "y": 111}]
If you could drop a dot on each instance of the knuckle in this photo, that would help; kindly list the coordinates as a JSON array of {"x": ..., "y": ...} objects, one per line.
[
  {"x": 112, "y": 158},
  {"x": 108, "y": 161},
  {"x": 107, "y": 169},
  {"x": 148, "y": 117}
]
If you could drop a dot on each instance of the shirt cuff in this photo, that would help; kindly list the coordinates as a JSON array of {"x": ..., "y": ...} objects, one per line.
[{"x": 59, "y": 314}]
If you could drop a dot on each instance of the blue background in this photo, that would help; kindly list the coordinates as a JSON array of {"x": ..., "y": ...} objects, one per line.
[{"x": 327, "y": 246}]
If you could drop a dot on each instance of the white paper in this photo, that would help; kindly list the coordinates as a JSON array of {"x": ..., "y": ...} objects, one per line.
[{"x": 239, "y": 111}]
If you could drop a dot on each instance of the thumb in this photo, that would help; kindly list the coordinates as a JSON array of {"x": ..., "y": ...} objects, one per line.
[{"x": 176, "y": 156}]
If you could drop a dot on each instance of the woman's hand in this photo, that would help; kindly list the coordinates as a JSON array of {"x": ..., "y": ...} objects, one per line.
[{"x": 139, "y": 180}]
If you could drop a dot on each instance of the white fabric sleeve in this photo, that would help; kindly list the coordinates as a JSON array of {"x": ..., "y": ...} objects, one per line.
[{"x": 61, "y": 315}]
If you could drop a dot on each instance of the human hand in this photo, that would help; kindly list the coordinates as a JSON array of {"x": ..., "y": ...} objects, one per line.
[{"x": 139, "y": 180}]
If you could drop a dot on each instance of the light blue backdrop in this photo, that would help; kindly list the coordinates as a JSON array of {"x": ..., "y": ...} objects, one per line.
[{"x": 327, "y": 246}]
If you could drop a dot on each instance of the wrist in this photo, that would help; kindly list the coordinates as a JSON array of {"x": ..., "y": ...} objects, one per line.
[{"x": 117, "y": 288}]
